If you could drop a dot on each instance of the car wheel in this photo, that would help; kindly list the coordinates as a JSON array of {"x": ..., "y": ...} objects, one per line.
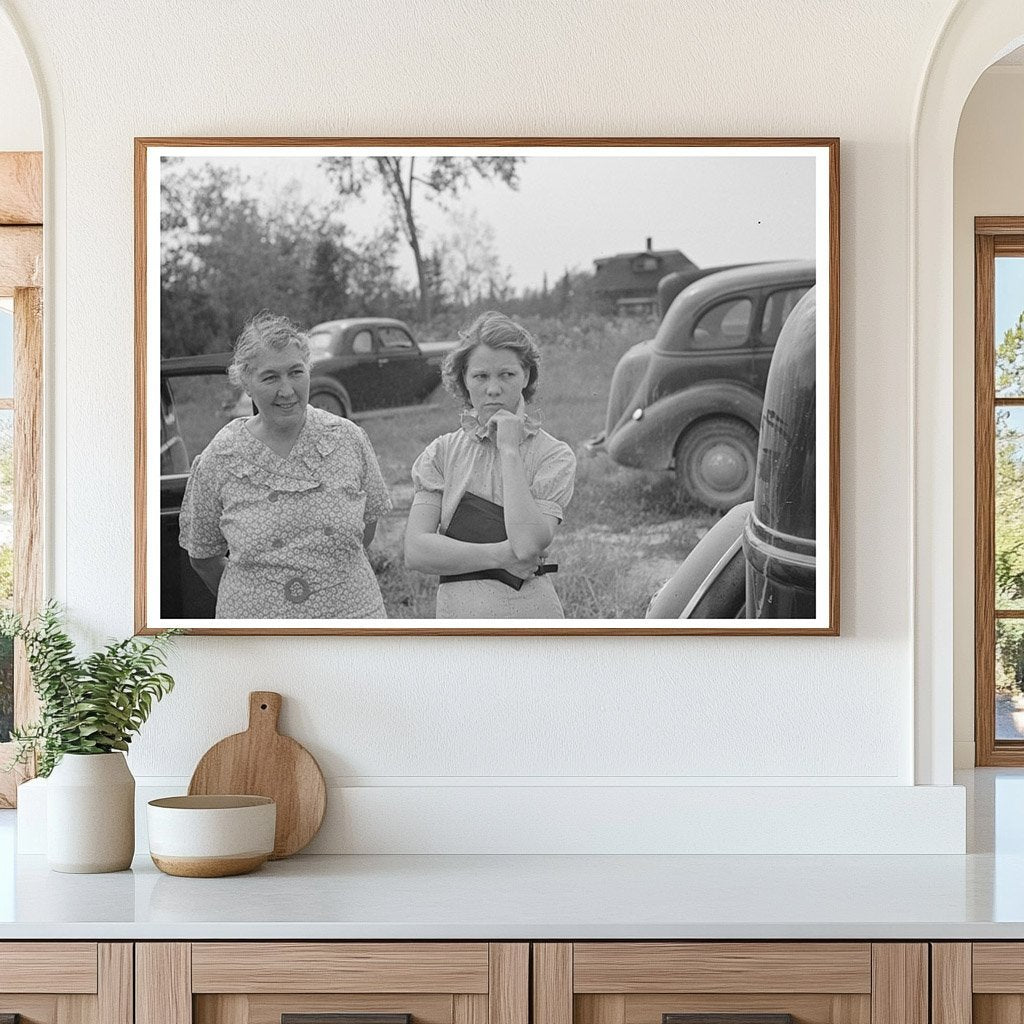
[
  {"x": 329, "y": 403},
  {"x": 716, "y": 461}
]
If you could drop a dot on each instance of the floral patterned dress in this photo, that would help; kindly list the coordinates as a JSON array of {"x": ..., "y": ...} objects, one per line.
[{"x": 292, "y": 527}]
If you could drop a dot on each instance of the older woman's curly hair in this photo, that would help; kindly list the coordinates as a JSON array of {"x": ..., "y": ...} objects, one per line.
[
  {"x": 264, "y": 332},
  {"x": 497, "y": 331}
]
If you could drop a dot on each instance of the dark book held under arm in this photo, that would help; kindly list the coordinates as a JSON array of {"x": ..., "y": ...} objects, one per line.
[{"x": 479, "y": 521}]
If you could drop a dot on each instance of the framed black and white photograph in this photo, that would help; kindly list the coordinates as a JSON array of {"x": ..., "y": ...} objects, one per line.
[{"x": 443, "y": 386}]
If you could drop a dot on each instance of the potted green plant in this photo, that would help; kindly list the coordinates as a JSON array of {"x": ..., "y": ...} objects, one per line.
[{"x": 89, "y": 709}]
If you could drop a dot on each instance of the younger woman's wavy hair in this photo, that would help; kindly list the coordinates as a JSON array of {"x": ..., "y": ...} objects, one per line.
[
  {"x": 265, "y": 331},
  {"x": 492, "y": 330}
]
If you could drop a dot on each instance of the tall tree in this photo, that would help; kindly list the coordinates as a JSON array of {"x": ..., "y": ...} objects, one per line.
[{"x": 440, "y": 178}]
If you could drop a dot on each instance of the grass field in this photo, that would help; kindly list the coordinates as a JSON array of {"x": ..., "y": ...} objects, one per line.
[{"x": 624, "y": 532}]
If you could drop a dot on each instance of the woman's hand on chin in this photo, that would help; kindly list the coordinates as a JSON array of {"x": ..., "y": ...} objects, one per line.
[{"x": 507, "y": 428}]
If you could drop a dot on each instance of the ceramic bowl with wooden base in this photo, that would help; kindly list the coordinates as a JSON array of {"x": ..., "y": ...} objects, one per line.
[{"x": 211, "y": 836}]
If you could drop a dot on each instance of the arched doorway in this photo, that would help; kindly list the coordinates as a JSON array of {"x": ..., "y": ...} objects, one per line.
[{"x": 977, "y": 33}]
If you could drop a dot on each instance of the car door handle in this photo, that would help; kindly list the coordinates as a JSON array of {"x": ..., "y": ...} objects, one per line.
[{"x": 381, "y": 362}]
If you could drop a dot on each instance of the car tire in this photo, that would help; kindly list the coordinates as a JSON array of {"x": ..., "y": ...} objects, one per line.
[
  {"x": 716, "y": 462},
  {"x": 329, "y": 403}
]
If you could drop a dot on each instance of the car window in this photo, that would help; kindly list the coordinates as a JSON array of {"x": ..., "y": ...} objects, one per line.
[
  {"x": 199, "y": 405},
  {"x": 394, "y": 338},
  {"x": 320, "y": 342},
  {"x": 725, "y": 325},
  {"x": 362, "y": 343},
  {"x": 777, "y": 308}
]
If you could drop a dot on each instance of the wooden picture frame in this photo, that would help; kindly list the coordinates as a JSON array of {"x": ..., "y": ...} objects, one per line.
[{"x": 768, "y": 213}]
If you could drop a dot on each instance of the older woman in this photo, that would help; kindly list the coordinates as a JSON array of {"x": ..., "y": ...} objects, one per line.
[
  {"x": 523, "y": 475},
  {"x": 281, "y": 506}
]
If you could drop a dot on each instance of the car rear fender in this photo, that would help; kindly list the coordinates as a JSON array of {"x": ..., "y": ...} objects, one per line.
[
  {"x": 650, "y": 442},
  {"x": 322, "y": 385}
]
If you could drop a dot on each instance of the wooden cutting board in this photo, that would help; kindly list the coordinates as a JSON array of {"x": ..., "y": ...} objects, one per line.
[{"x": 262, "y": 762}]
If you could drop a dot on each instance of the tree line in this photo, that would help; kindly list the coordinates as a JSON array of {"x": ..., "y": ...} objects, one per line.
[{"x": 228, "y": 249}]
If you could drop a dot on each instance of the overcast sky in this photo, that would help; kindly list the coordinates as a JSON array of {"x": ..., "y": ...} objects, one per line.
[{"x": 569, "y": 210}]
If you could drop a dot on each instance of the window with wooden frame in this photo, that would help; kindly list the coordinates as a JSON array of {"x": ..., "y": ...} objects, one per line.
[{"x": 21, "y": 349}]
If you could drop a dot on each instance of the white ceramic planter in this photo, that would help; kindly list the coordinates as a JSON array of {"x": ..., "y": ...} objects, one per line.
[{"x": 90, "y": 814}]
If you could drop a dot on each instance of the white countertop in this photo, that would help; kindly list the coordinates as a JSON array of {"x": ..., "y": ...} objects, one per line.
[
  {"x": 516, "y": 897},
  {"x": 977, "y": 896}
]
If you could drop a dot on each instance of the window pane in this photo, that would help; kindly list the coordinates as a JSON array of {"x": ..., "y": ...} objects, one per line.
[
  {"x": 6, "y": 353},
  {"x": 726, "y": 325},
  {"x": 1009, "y": 679},
  {"x": 1009, "y": 513},
  {"x": 778, "y": 306},
  {"x": 192, "y": 410},
  {"x": 6, "y": 568},
  {"x": 1009, "y": 324}
]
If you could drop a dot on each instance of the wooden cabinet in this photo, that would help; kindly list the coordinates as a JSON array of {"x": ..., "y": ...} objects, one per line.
[
  {"x": 655, "y": 982},
  {"x": 260, "y": 982},
  {"x": 66, "y": 982},
  {"x": 978, "y": 982}
]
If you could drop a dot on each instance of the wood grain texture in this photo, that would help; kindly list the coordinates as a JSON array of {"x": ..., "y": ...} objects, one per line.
[
  {"x": 467, "y": 1009},
  {"x": 21, "y": 259},
  {"x": 998, "y": 226},
  {"x": 29, "y": 1009},
  {"x": 163, "y": 983},
  {"x": 899, "y": 972},
  {"x": 552, "y": 983},
  {"x": 115, "y": 1002},
  {"x": 603, "y": 1009},
  {"x": 304, "y": 967},
  {"x": 262, "y": 762},
  {"x": 21, "y": 188},
  {"x": 76, "y": 1009},
  {"x": 268, "y": 1009},
  {"x": 831, "y": 144},
  {"x": 998, "y": 967},
  {"x": 951, "y": 983},
  {"x": 636, "y": 967},
  {"x": 998, "y": 1009},
  {"x": 508, "y": 994},
  {"x": 805, "y": 1008},
  {"x": 984, "y": 502},
  {"x": 65, "y": 967},
  {"x": 28, "y": 483},
  {"x": 227, "y": 1009}
]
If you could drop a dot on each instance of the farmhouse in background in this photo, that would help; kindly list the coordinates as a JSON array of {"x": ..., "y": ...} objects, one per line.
[{"x": 628, "y": 282}]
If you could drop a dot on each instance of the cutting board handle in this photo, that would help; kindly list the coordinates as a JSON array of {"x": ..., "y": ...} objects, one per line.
[{"x": 264, "y": 710}]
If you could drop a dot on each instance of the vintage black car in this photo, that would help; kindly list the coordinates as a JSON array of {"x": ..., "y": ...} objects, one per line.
[
  {"x": 759, "y": 560},
  {"x": 371, "y": 363},
  {"x": 689, "y": 399}
]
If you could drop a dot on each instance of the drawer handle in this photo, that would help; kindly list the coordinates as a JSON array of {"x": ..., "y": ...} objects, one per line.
[
  {"x": 339, "y": 1018},
  {"x": 727, "y": 1018}
]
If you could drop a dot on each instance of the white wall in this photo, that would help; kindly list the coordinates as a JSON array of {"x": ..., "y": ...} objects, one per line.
[
  {"x": 987, "y": 182},
  {"x": 429, "y": 717}
]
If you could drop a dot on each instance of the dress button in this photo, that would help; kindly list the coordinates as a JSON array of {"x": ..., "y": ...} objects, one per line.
[{"x": 296, "y": 590}]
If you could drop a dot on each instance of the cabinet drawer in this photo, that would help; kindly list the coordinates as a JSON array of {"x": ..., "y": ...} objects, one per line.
[
  {"x": 66, "y": 982},
  {"x": 730, "y": 983},
  {"x": 329, "y": 982},
  {"x": 65, "y": 967}
]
